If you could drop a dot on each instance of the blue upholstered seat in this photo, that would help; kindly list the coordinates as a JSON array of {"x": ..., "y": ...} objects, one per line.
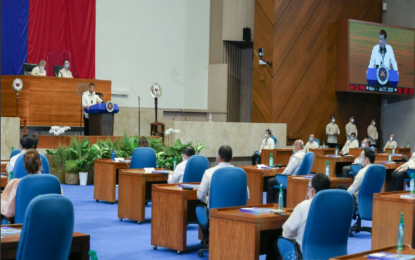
[
  {"x": 304, "y": 169},
  {"x": 143, "y": 157},
  {"x": 195, "y": 168}
]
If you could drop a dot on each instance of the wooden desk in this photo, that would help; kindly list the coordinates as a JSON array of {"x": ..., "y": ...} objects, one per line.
[
  {"x": 172, "y": 209},
  {"x": 4, "y": 181},
  {"x": 357, "y": 151},
  {"x": 390, "y": 249},
  {"x": 134, "y": 188},
  {"x": 79, "y": 248},
  {"x": 321, "y": 163},
  {"x": 317, "y": 152},
  {"x": 385, "y": 157},
  {"x": 3, "y": 165},
  {"x": 297, "y": 187},
  {"x": 105, "y": 176},
  {"x": 400, "y": 150},
  {"x": 387, "y": 208},
  {"x": 281, "y": 156},
  {"x": 256, "y": 182},
  {"x": 253, "y": 233},
  {"x": 63, "y": 104}
]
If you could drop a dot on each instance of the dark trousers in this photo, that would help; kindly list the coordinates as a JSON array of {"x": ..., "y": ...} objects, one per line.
[
  {"x": 345, "y": 171},
  {"x": 397, "y": 180},
  {"x": 273, "y": 251},
  {"x": 86, "y": 126},
  {"x": 332, "y": 145},
  {"x": 272, "y": 192},
  {"x": 255, "y": 157}
]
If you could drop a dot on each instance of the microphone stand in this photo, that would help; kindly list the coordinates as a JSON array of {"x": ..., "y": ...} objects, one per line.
[
  {"x": 139, "y": 112},
  {"x": 185, "y": 119}
]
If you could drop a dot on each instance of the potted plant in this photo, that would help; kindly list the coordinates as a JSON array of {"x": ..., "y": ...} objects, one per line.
[
  {"x": 81, "y": 158},
  {"x": 60, "y": 156},
  {"x": 71, "y": 172}
]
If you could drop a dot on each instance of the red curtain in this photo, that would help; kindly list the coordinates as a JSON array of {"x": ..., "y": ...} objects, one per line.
[{"x": 67, "y": 25}]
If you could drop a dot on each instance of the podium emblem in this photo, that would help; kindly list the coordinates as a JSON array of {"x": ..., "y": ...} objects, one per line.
[
  {"x": 155, "y": 90},
  {"x": 17, "y": 85},
  {"x": 109, "y": 106},
  {"x": 382, "y": 74}
]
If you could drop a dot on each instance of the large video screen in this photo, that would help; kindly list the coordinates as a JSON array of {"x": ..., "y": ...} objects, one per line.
[{"x": 381, "y": 58}]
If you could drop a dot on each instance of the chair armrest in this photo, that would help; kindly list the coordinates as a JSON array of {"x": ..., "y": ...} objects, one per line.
[
  {"x": 289, "y": 248},
  {"x": 202, "y": 214}
]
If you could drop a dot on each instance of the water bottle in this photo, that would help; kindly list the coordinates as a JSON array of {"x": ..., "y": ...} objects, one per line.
[
  {"x": 390, "y": 156},
  {"x": 407, "y": 144},
  {"x": 280, "y": 199},
  {"x": 13, "y": 147},
  {"x": 400, "y": 233},
  {"x": 10, "y": 175},
  {"x": 411, "y": 184},
  {"x": 324, "y": 145},
  {"x": 210, "y": 117},
  {"x": 327, "y": 169},
  {"x": 93, "y": 255},
  {"x": 337, "y": 151},
  {"x": 174, "y": 163},
  {"x": 271, "y": 160},
  {"x": 113, "y": 156},
  {"x": 393, "y": 151}
]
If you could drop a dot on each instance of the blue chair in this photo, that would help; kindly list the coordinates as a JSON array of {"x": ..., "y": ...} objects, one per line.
[
  {"x": 195, "y": 168},
  {"x": 45, "y": 164},
  {"x": 355, "y": 169},
  {"x": 19, "y": 171},
  {"x": 15, "y": 152},
  {"x": 47, "y": 229},
  {"x": 304, "y": 169},
  {"x": 275, "y": 141},
  {"x": 143, "y": 157},
  {"x": 228, "y": 188},
  {"x": 318, "y": 141},
  {"x": 327, "y": 227},
  {"x": 31, "y": 186},
  {"x": 372, "y": 183}
]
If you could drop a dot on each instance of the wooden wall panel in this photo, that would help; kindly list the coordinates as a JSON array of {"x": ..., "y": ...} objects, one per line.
[{"x": 304, "y": 58}]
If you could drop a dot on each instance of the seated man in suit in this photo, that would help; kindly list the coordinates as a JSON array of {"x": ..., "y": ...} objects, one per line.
[
  {"x": 351, "y": 143},
  {"x": 401, "y": 173},
  {"x": 40, "y": 70},
  {"x": 291, "y": 169},
  {"x": 177, "y": 175},
  {"x": 65, "y": 72},
  {"x": 311, "y": 144},
  {"x": 267, "y": 143},
  {"x": 391, "y": 143},
  {"x": 358, "y": 160},
  {"x": 26, "y": 142},
  {"x": 295, "y": 225},
  {"x": 224, "y": 159}
]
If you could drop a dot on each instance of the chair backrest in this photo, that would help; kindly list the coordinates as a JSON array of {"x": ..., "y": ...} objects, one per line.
[
  {"x": 19, "y": 171},
  {"x": 328, "y": 223},
  {"x": 355, "y": 167},
  {"x": 15, "y": 152},
  {"x": 47, "y": 229},
  {"x": 281, "y": 179},
  {"x": 318, "y": 141},
  {"x": 56, "y": 69},
  {"x": 45, "y": 163},
  {"x": 28, "y": 67},
  {"x": 372, "y": 183},
  {"x": 275, "y": 141},
  {"x": 306, "y": 164},
  {"x": 228, "y": 188},
  {"x": 31, "y": 186},
  {"x": 195, "y": 168},
  {"x": 143, "y": 157}
]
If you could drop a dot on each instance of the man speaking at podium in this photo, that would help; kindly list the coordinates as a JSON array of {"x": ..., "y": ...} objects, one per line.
[
  {"x": 382, "y": 54},
  {"x": 89, "y": 98}
]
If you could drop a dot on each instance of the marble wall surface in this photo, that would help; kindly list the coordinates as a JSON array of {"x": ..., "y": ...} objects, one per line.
[
  {"x": 127, "y": 120},
  {"x": 244, "y": 138},
  {"x": 10, "y": 135}
]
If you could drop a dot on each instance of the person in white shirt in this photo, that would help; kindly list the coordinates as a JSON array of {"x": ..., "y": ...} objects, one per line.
[
  {"x": 382, "y": 54},
  {"x": 295, "y": 225},
  {"x": 267, "y": 143},
  {"x": 311, "y": 144},
  {"x": 358, "y": 160},
  {"x": 65, "y": 72},
  {"x": 40, "y": 70},
  {"x": 351, "y": 127},
  {"x": 26, "y": 142},
  {"x": 224, "y": 159},
  {"x": 291, "y": 169},
  {"x": 391, "y": 143},
  {"x": 351, "y": 143},
  {"x": 177, "y": 175},
  {"x": 332, "y": 131},
  {"x": 89, "y": 98},
  {"x": 372, "y": 133},
  {"x": 401, "y": 173}
]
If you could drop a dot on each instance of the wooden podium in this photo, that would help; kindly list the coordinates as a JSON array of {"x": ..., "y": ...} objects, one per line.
[{"x": 101, "y": 122}]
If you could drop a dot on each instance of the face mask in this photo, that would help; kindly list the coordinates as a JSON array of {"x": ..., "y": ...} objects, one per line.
[
  {"x": 351, "y": 138},
  {"x": 41, "y": 68},
  {"x": 391, "y": 139},
  {"x": 352, "y": 120},
  {"x": 294, "y": 150},
  {"x": 333, "y": 120},
  {"x": 66, "y": 66},
  {"x": 266, "y": 136},
  {"x": 311, "y": 140},
  {"x": 374, "y": 123},
  {"x": 363, "y": 145},
  {"x": 362, "y": 162}
]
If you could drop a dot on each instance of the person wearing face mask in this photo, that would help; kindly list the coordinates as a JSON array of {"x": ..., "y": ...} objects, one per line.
[
  {"x": 332, "y": 131},
  {"x": 391, "y": 143},
  {"x": 351, "y": 127},
  {"x": 358, "y": 160},
  {"x": 291, "y": 169},
  {"x": 267, "y": 143},
  {"x": 40, "y": 70},
  {"x": 177, "y": 175},
  {"x": 311, "y": 144},
  {"x": 295, "y": 225},
  {"x": 351, "y": 143},
  {"x": 372, "y": 132},
  {"x": 65, "y": 72},
  {"x": 382, "y": 54},
  {"x": 401, "y": 173}
]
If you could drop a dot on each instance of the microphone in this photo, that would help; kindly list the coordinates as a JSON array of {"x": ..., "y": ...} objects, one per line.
[
  {"x": 185, "y": 119},
  {"x": 139, "y": 116},
  {"x": 76, "y": 74}
]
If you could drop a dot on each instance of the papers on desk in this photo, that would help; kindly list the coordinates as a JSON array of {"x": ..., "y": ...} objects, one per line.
[
  {"x": 408, "y": 196},
  {"x": 9, "y": 231},
  {"x": 334, "y": 156},
  {"x": 189, "y": 186},
  {"x": 122, "y": 160},
  {"x": 259, "y": 166},
  {"x": 390, "y": 256},
  {"x": 386, "y": 162},
  {"x": 349, "y": 155},
  {"x": 263, "y": 166},
  {"x": 148, "y": 170},
  {"x": 158, "y": 171},
  {"x": 4, "y": 162},
  {"x": 397, "y": 154},
  {"x": 256, "y": 210}
]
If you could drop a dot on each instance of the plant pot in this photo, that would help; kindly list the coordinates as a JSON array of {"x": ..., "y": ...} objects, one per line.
[
  {"x": 50, "y": 160},
  {"x": 71, "y": 178},
  {"x": 83, "y": 176},
  {"x": 90, "y": 179},
  {"x": 61, "y": 175}
]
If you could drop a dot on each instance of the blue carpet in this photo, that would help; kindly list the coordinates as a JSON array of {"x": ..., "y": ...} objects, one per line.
[{"x": 114, "y": 239}]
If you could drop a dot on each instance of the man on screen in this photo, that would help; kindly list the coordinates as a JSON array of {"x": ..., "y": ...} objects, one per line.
[
  {"x": 382, "y": 54},
  {"x": 89, "y": 98}
]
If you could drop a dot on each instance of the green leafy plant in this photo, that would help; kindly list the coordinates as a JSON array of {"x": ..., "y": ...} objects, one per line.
[
  {"x": 71, "y": 166},
  {"x": 199, "y": 147},
  {"x": 61, "y": 156},
  {"x": 81, "y": 153},
  {"x": 50, "y": 151}
]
